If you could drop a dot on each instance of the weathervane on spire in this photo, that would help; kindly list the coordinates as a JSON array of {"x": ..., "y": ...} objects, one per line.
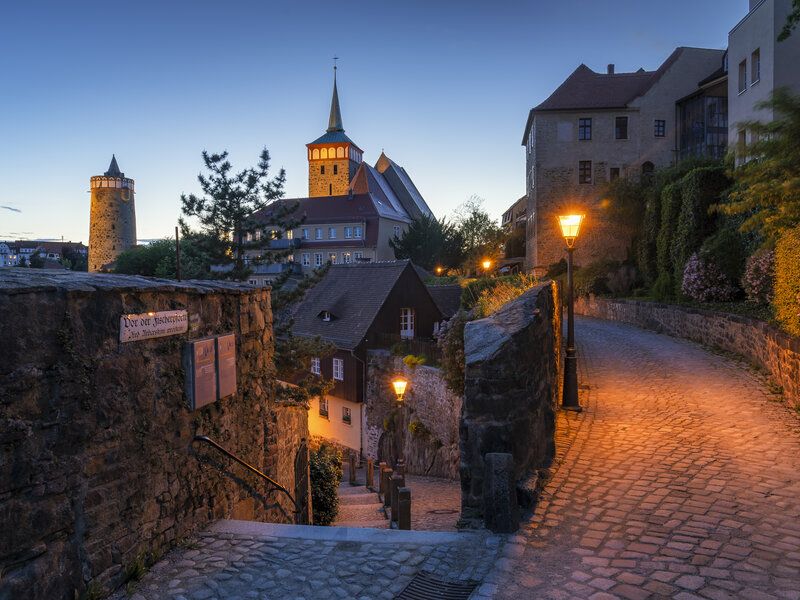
[{"x": 335, "y": 58}]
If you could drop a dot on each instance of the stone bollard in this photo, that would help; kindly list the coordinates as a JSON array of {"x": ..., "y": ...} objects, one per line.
[
  {"x": 397, "y": 481},
  {"x": 500, "y": 510},
  {"x": 370, "y": 472},
  {"x": 404, "y": 508},
  {"x": 386, "y": 477},
  {"x": 352, "y": 468},
  {"x": 400, "y": 467},
  {"x": 381, "y": 469}
]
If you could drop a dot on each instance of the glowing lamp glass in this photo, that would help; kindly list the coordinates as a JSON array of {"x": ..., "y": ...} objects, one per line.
[
  {"x": 399, "y": 387},
  {"x": 487, "y": 264},
  {"x": 570, "y": 226}
]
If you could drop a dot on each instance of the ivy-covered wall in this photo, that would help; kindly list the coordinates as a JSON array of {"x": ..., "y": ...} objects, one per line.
[{"x": 97, "y": 463}]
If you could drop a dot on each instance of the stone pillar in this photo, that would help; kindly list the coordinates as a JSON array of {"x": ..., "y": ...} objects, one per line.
[
  {"x": 352, "y": 468},
  {"x": 404, "y": 508},
  {"x": 382, "y": 468},
  {"x": 370, "y": 472},
  {"x": 386, "y": 477},
  {"x": 397, "y": 481},
  {"x": 500, "y": 510}
]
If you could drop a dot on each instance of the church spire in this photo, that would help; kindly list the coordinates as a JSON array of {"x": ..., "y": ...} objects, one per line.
[{"x": 335, "y": 121}]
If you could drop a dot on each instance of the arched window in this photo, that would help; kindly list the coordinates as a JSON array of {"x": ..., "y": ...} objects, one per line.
[
  {"x": 332, "y": 152},
  {"x": 647, "y": 168},
  {"x": 340, "y": 152},
  {"x": 315, "y": 155},
  {"x": 323, "y": 153}
]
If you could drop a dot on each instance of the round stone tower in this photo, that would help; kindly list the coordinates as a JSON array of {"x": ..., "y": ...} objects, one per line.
[{"x": 112, "y": 221}]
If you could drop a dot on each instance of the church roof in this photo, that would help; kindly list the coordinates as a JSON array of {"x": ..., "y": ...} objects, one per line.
[
  {"x": 113, "y": 169},
  {"x": 333, "y": 137},
  {"x": 404, "y": 189},
  {"x": 368, "y": 180}
]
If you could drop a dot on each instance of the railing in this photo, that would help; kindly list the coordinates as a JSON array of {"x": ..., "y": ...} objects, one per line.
[
  {"x": 212, "y": 443},
  {"x": 412, "y": 346}
]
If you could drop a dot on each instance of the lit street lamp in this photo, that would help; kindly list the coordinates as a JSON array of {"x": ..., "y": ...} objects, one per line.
[
  {"x": 486, "y": 264},
  {"x": 570, "y": 225},
  {"x": 399, "y": 386}
]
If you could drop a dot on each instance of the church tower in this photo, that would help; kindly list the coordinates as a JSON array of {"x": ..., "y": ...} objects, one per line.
[
  {"x": 333, "y": 159},
  {"x": 112, "y": 220}
]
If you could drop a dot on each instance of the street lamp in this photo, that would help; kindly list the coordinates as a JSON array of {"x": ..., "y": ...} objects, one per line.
[
  {"x": 486, "y": 264},
  {"x": 399, "y": 386},
  {"x": 438, "y": 270},
  {"x": 570, "y": 226}
]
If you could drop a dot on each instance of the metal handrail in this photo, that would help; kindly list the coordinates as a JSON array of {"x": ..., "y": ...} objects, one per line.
[{"x": 208, "y": 440}]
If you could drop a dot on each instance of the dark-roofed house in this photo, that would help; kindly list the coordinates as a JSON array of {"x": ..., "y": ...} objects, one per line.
[
  {"x": 357, "y": 307},
  {"x": 352, "y": 209},
  {"x": 593, "y": 128}
]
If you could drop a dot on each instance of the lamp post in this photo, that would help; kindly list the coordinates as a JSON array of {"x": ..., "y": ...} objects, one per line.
[
  {"x": 570, "y": 225},
  {"x": 399, "y": 386},
  {"x": 486, "y": 265}
]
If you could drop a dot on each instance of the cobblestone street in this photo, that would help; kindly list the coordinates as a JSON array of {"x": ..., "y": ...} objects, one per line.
[{"x": 680, "y": 480}]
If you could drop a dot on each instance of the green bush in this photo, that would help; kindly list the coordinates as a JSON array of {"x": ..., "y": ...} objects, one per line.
[
  {"x": 663, "y": 288},
  {"x": 413, "y": 361},
  {"x": 670, "y": 209},
  {"x": 473, "y": 288},
  {"x": 493, "y": 299},
  {"x": 647, "y": 248},
  {"x": 417, "y": 429},
  {"x": 556, "y": 269},
  {"x": 593, "y": 278},
  {"x": 727, "y": 251},
  {"x": 786, "y": 301},
  {"x": 450, "y": 339},
  {"x": 325, "y": 467},
  {"x": 700, "y": 189},
  {"x": 399, "y": 349}
]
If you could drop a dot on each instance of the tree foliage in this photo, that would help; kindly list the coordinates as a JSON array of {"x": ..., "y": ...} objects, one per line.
[
  {"x": 430, "y": 243},
  {"x": 160, "y": 259},
  {"x": 767, "y": 188},
  {"x": 226, "y": 211},
  {"x": 37, "y": 261},
  {"x": 792, "y": 20},
  {"x": 481, "y": 236}
]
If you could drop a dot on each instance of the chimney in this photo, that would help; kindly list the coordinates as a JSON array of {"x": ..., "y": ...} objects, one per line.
[{"x": 611, "y": 69}]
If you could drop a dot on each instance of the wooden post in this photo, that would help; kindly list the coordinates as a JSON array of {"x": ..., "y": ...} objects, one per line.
[
  {"x": 352, "y": 468},
  {"x": 397, "y": 482},
  {"x": 386, "y": 478},
  {"x": 404, "y": 508},
  {"x": 370, "y": 472}
]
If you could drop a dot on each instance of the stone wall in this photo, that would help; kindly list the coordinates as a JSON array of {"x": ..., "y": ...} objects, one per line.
[
  {"x": 428, "y": 404},
  {"x": 759, "y": 342},
  {"x": 512, "y": 383},
  {"x": 97, "y": 460}
]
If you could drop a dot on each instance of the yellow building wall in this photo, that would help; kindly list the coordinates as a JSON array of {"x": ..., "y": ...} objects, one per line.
[{"x": 332, "y": 427}]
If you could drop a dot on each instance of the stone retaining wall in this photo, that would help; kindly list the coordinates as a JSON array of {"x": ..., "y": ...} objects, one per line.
[
  {"x": 759, "y": 342},
  {"x": 428, "y": 403},
  {"x": 97, "y": 462},
  {"x": 513, "y": 361}
]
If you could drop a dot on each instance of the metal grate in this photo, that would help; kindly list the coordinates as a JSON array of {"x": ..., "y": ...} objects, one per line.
[{"x": 426, "y": 587}]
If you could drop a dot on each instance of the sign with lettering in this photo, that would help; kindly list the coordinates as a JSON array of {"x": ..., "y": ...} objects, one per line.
[
  {"x": 226, "y": 365},
  {"x": 133, "y": 328},
  {"x": 203, "y": 374}
]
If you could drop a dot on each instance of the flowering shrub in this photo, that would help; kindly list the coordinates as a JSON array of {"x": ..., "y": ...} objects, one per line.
[
  {"x": 759, "y": 277},
  {"x": 787, "y": 281},
  {"x": 703, "y": 281},
  {"x": 450, "y": 339}
]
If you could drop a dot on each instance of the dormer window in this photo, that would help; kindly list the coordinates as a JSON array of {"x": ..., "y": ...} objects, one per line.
[{"x": 326, "y": 316}]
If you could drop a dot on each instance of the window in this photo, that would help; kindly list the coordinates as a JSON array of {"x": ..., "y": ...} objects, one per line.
[
  {"x": 330, "y": 189},
  {"x": 290, "y": 258},
  {"x": 648, "y": 168},
  {"x": 335, "y": 169},
  {"x": 346, "y": 258},
  {"x": 338, "y": 369},
  {"x": 357, "y": 232},
  {"x": 585, "y": 171},
  {"x": 318, "y": 233},
  {"x": 332, "y": 258},
  {"x": 305, "y": 234},
  {"x": 326, "y": 316},
  {"x": 755, "y": 66},
  {"x": 315, "y": 366},
  {"x": 306, "y": 260},
  {"x": 331, "y": 233},
  {"x": 396, "y": 230},
  {"x": 406, "y": 322},
  {"x": 322, "y": 170},
  {"x": 621, "y": 128},
  {"x": 318, "y": 259},
  {"x": 258, "y": 235},
  {"x": 348, "y": 233},
  {"x": 358, "y": 255},
  {"x": 742, "y": 76},
  {"x": 584, "y": 129},
  {"x": 289, "y": 234},
  {"x": 659, "y": 127},
  {"x": 614, "y": 173},
  {"x": 346, "y": 415},
  {"x": 252, "y": 281},
  {"x": 323, "y": 407}
]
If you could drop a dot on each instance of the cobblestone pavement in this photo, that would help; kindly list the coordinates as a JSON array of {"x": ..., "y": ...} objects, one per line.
[
  {"x": 237, "y": 560},
  {"x": 681, "y": 479}
]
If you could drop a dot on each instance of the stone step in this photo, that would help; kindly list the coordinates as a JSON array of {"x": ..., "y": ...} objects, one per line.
[
  {"x": 359, "y": 512},
  {"x": 361, "y": 498},
  {"x": 382, "y": 524},
  {"x": 346, "y": 489}
]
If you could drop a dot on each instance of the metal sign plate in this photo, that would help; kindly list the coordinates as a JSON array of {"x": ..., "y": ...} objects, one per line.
[
  {"x": 226, "y": 364},
  {"x": 133, "y": 328},
  {"x": 204, "y": 372}
]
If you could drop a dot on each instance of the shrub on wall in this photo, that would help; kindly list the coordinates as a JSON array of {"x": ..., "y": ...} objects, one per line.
[
  {"x": 647, "y": 249},
  {"x": 325, "y": 469},
  {"x": 493, "y": 299},
  {"x": 703, "y": 281},
  {"x": 726, "y": 249},
  {"x": 450, "y": 339},
  {"x": 786, "y": 301},
  {"x": 700, "y": 189},
  {"x": 759, "y": 276},
  {"x": 670, "y": 209}
]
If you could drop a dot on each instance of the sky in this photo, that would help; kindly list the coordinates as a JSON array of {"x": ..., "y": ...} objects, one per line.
[{"x": 443, "y": 88}]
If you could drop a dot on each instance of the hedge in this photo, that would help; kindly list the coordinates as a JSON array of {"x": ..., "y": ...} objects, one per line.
[
  {"x": 325, "y": 467},
  {"x": 647, "y": 249},
  {"x": 786, "y": 300},
  {"x": 670, "y": 209}
]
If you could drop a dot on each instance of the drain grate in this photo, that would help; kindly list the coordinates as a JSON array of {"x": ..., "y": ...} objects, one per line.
[{"x": 426, "y": 587}]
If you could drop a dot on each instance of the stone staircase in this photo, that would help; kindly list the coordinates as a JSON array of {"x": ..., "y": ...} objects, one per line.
[{"x": 358, "y": 505}]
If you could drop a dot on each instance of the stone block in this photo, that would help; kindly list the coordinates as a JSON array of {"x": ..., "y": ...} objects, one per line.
[{"x": 500, "y": 509}]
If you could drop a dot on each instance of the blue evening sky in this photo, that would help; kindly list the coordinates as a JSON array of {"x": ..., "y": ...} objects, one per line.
[{"x": 444, "y": 88}]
